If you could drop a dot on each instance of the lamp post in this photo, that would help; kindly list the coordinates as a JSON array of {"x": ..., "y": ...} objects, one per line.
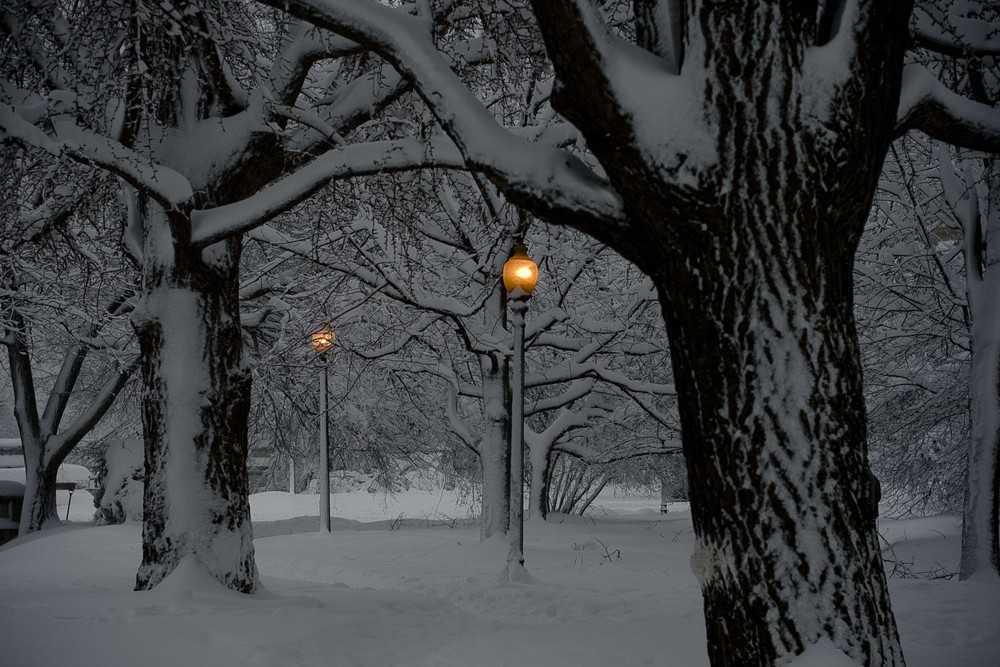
[
  {"x": 520, "y": 275},
  {"x": 322, "y": 342}
]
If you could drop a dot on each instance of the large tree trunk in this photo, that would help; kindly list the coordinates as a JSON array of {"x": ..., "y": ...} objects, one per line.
[
  {"x": 981, "y": 515},
  {"x": 774, "y": 437},
  {"x": 980, "y": 556},
  {"x": 195, "y": 405},
  {"x": 494, "y": 451},
  {"x": 39, "y": 506},
  {"x": 759, "y": 309},
  {"x": 746, "y": 215}
]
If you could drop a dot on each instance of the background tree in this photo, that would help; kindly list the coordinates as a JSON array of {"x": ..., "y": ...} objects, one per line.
[
  {"x": 63, "y": 300},
  {"x": 913, "y": 323},
  {"x": 195, "y": 106},
  {"x": 981, "y": 234},
  {"x": 436, "y": 276}
]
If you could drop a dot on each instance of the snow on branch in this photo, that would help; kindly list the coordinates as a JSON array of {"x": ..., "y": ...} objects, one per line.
[
  {"x": 576, "y": 391},
  {"x": 550, "y": 178},
  {"x": 60, "y": 444},
  {"x": 16, "y": 128},
  {"x": 571, "y": 371},
  {"x": 567, "y": 422},
  {"x": 302, "y": 45},
  {"x": 594, "y": 456},
  {"x": 34, "y": 45},
  {"x": 62, "y": 388},
  {"x": 952, "y": 34},
  {"x": 166, "y": 186},
  {"x": 409, "y": 333},
  {"x": 927, "y": 105},
  {"x": 218, "y": 223}
]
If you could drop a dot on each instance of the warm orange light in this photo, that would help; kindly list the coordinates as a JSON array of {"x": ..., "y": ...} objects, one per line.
[
  {"x": 520, "y": 271},
  {"x": 322, "y": 339}
]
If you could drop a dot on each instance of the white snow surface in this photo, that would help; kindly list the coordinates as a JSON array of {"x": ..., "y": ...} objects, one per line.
[{"x": 400, "y": 582}]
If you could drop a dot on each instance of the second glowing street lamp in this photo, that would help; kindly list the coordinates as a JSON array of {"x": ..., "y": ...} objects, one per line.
[
  {"x": 520, "y": 275},
  {"x": 322, "y": 342}
]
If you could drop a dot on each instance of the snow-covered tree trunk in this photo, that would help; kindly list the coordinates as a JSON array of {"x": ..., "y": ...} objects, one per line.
[
  {"x": 45, "y": 443},
  {"x": 39, "y": 506},
  {"x": 980, "y": 557},
  {"x": 494, "y": 450},
  {"x": 981, "y": 515},
  {"x": 749, "y": 233},
  {"x": 195, "y": 405},
  {"x": 774, "y": 436},
  {"x": 39, "y": 487},
  {"x": 540, "y": 454}
]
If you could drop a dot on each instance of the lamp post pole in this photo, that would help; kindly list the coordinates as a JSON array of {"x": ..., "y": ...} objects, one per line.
[
  {"x": 324, "y": 454},
  {"x": 520, "y": 275},
  {"x": 322, "y": 341},
  {"x": 515, "y": 555}
]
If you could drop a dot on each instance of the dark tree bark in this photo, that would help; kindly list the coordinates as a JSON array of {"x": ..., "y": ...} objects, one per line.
[
  {"x": 494, "y": 449},
  {"x": 981, "y": 511},
  {"x": 752, "y": 254},
  {"x": 196, "y": 402}
]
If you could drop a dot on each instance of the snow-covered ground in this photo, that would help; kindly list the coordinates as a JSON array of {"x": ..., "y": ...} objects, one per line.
[{"x": 404, "y": 581}]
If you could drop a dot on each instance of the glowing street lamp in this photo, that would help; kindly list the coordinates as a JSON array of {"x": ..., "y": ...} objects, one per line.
[
  {"x": 322, "y": 339},
  {"x": 520, "y": 272},
  {"x": 322, "y": 342},
  {"x": 520, "y": 275}
]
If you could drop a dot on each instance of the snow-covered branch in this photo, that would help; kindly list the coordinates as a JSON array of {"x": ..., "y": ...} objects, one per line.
[
  {"x": 576, "y": 390},
  {"x": 218, "y": 223},
  {"x": 302, "y": 45},
  {"x": 553, "y": 180},
  {"x": 162, "y": 183},
  {"x": 60, "y": 444},
  {"x": 928, "y": 105},
  {"x": 62, "y": 388},
  {"x": 411, "y": 332},
  {"x": 570, "y": 371},
  {"x": 952, "y": 34},
  {"x": 581, "y": 451}
]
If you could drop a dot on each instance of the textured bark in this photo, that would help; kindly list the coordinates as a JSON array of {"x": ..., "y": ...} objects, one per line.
[
  {"x": 981, "y": 513},
  {"x": 40, "y": 505},
  {"x": 750, "y": 243},
  {"x": 494, "y": 452},
  {"x": 195, "y": 405},
  {"x": 39, "y": 496},
  {"x": 541, "y": 475},
  {"x": 771, "y": 405}
]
